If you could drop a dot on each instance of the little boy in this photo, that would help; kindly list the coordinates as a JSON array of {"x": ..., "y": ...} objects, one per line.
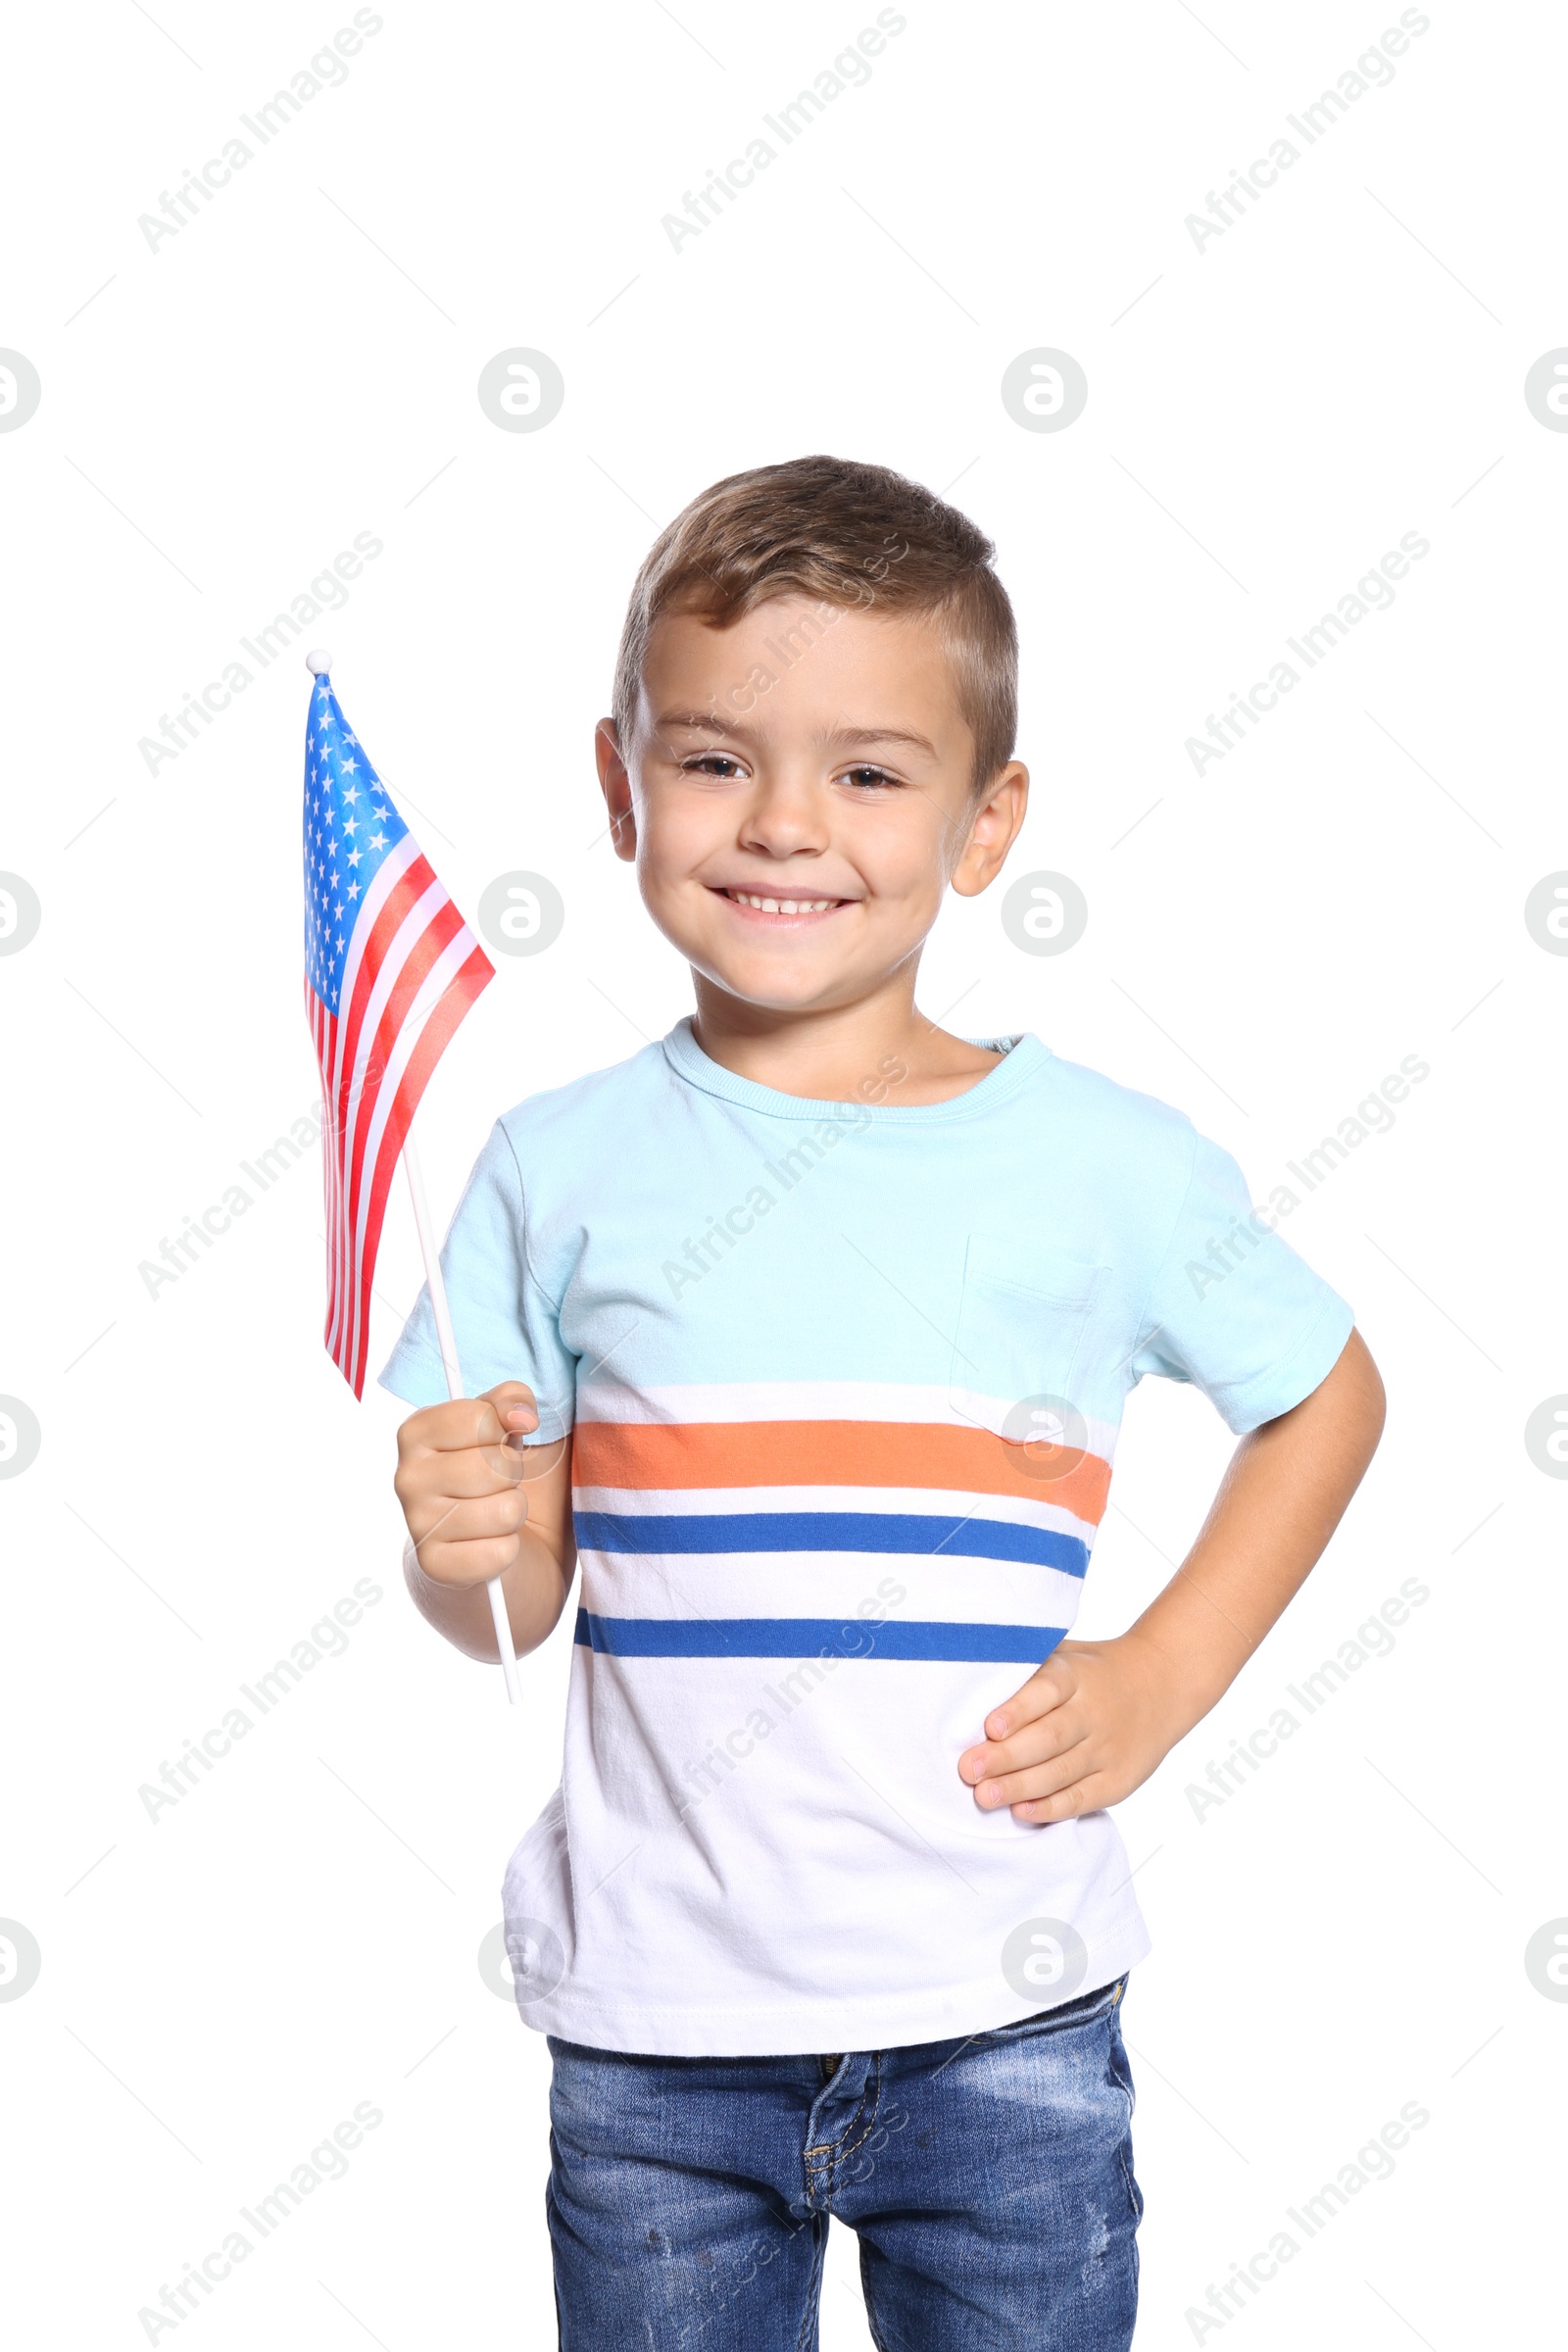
[{"x": 807, "y": 1333}]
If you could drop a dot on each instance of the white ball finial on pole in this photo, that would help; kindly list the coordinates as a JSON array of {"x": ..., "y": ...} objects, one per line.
[{"x": 317, "y": 662}]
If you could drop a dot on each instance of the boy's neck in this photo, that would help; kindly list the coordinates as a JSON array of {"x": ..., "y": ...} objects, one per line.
[{"x": 880, "y": 1049}]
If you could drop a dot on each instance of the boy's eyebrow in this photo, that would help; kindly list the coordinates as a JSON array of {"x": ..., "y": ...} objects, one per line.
[
  {"x": 846, "y": 735},
  {"x": 707, "y": 722},
  {"x": 705, "y": 719}
]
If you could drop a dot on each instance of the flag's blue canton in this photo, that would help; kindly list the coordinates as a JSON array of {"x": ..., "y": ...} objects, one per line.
[{"x": 349, "y": 825}]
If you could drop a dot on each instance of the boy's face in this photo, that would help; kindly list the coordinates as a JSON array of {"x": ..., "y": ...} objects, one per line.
[{"x": 794, "y": 838}]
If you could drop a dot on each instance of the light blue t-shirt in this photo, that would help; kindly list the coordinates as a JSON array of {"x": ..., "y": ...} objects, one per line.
[{"x": 842, "y": 1381}]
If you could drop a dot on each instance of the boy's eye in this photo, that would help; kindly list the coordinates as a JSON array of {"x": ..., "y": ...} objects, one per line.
[
  {"x": 711, "y": 764},
  {"x": 865, "y": 776}
]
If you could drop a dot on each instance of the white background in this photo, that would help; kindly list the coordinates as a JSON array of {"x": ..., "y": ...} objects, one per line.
[{"x": 1343, "y": 1935}]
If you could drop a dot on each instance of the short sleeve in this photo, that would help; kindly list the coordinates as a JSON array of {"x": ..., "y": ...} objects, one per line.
[
  {"x": 504, "y": 1324},
  {"x": 1233, "y": 1308}
]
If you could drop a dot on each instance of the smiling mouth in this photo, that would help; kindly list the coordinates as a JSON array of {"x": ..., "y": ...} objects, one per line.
[{"x": 757, "y": 902}]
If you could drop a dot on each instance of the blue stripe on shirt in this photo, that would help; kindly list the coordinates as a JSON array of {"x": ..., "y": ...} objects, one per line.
[
  {"x": 829, "y": 1531},
  {"x": 813, "y": 1638}
]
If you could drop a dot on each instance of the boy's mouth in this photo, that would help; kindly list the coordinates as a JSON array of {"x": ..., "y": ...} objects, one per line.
[{"x": 779, "y": 903}]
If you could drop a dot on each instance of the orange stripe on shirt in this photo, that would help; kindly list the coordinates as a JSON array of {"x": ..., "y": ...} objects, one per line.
[{"x": 694, "y": 1454}]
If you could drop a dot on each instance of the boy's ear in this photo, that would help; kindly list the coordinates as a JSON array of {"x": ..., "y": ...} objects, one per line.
[
  {"x": 615, "y": 785},
  {"x": 993, "y": 830}
]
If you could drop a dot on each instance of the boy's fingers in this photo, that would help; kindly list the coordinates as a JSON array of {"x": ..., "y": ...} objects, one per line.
[
  {"x": 510, "y": 1413},
  {"x": 1038, "y": 1782},
  {"x": 1087, "y": 1795},
  {"x": 472, "y": 1563},
  {"x": 453, "y": 1477},
  {"x": 503, "y": 1412},
  {"x": 441, "y": 1524},
  {"x": 515, "y": 1403},
  {"x": 428, "y": 1479},
  {"x": 1048, "y": 1736},
  {"x": 1046, "y": 1688},
  {"x": 469, "y": 1421},
  {"x": 1011, "y": 1787}
]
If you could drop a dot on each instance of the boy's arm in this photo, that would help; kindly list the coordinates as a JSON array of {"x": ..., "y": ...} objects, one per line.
[
  {"x": 1099, "y": 1716},
  {"x": 478, "y": 1506}
]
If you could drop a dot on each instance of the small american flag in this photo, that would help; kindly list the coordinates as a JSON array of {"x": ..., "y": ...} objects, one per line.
[{"x": 390, "y": 969}]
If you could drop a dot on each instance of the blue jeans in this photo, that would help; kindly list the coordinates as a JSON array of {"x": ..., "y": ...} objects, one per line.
[{"x": 990, "y": 2183}]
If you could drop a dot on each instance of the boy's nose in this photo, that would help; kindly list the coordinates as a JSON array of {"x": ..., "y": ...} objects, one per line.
[{"x": 785, "y": 817}]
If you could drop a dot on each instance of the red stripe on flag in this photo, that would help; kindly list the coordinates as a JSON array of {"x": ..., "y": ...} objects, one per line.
[
  {"x": 434, "y": 965},
  {"x": 400, "y": 901},
  {"x": 440, "y": 1023},
  {"x": 358, "y": 1088},
  {"x": 422, "y": 953}
]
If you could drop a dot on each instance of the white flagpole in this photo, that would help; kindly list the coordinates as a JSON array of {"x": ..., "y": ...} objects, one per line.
[{"x": 455, "y": 1387}]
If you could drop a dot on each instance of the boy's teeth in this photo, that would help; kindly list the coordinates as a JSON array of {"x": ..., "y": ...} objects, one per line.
[{"x": 747, "y": 898}]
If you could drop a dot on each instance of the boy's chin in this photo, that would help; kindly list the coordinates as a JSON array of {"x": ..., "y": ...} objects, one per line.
[{"x": 809, "y": 985}]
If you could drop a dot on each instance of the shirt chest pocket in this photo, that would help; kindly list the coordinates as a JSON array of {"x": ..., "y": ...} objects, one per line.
[{"x": 1023, "y": 1318}]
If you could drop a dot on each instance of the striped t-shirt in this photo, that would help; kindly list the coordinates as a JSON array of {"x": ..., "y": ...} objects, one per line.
[{"x": 843, "y": 1383}]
